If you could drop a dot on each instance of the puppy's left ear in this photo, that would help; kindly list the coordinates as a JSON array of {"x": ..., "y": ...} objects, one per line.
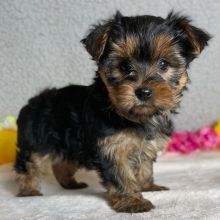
[{"x": 193, "y": 38}]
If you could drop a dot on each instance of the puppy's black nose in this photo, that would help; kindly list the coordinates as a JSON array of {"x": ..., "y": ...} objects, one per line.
[{"x": 143, "y": 93}]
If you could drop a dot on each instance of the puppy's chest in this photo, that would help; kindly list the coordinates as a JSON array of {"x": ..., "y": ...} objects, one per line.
[{"x": 131, "y": 147}]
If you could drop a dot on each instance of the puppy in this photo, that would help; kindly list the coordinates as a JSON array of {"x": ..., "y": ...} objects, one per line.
[{"x": 117, "y": 125}]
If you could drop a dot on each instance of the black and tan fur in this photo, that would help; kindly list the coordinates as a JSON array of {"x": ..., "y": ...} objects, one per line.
[{"x": 119, "y": 123}]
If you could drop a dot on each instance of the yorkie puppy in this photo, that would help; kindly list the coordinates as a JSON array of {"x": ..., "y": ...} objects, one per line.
[{"x": 117, "y": 125}]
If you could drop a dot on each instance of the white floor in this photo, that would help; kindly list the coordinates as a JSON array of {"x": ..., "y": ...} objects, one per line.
[{"x": 195, "y": 194}]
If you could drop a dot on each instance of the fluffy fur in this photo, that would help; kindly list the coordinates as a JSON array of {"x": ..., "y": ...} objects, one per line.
[{"x": 119, "y": 123}]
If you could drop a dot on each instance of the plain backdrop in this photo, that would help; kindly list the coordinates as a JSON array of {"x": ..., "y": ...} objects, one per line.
[{"x": 40, "y": 47}]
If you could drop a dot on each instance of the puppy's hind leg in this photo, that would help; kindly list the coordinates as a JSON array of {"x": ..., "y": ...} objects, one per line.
[
  {"x": 64, "y": 172},
  {"x": 27, "y": 168}
]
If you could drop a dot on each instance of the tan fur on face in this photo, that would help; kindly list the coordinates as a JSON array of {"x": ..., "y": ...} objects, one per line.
[
  {"x": 127, "y": 47},
  {"x": 162, "y": 46},
  {"x": 182, "y": 82},
  {"x": 123, "y": 96},
  {"x": 141, "y": 112},
  {"x": 163, "y": 96},
  {"x": 125, "y": 100}
]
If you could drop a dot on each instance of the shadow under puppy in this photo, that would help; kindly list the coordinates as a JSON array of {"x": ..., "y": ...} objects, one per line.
[{"x": 119, "y": 123}]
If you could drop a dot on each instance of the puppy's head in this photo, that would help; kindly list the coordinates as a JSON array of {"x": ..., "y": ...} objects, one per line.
[{"x": 143, "y": 60}]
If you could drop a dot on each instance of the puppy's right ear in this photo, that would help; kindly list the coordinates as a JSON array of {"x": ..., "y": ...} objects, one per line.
[{"x": 95, "y": 42}]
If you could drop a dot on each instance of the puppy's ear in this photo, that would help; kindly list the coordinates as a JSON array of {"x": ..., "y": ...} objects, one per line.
[
  {"x": 95, "y": 42},
  {"x": 194, "y": 39}
]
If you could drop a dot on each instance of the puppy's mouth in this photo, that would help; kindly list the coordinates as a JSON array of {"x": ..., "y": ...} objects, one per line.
[
  {"x": 142, "y": 103},
  {"x": 142, "y": 107},
  {"x": 149, "y": 107},
  {"x": 142, "y": 110}
]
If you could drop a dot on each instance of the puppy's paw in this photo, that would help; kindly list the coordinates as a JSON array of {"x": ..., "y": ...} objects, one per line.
[
  {"x": 129, "y": 204},
  {"x": 26, "y": 193},
  {"x": 74, "y": 185},
  {"x": 153, "y": 187}
]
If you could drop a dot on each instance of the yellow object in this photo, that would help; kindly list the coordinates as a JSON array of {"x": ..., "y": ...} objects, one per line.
[
  {"x": 9, "y": 122},
  {"x": 217, "y": 127},
  {"x": 8, "y": 139},
  {"x": 1, "y": 126}
]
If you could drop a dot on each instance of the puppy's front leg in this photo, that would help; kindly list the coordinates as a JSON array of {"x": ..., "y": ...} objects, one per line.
[
  {"x": 145, "y": 178},
  {"x": 124, "y": 191},
  {"x": 124, "y": 194}
]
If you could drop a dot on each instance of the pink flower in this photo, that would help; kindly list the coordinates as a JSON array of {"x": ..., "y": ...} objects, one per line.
[
  {"x": 186, "y": 142},
  {"x": 207, "y": 138}
]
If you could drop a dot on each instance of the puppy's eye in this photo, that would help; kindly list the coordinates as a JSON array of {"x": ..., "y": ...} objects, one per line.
[
  {"x": 132, "y": 73},
  {"x": 131, "y": 76},
  {"x": 125, "y": 66},
  {"x": 163, "y": 65},
  {"x": 127, "y": 71}
]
